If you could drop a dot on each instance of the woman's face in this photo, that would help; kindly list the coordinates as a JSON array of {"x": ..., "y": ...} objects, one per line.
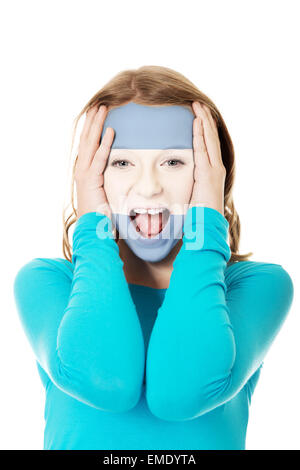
[{"x": 149, "y": 178}]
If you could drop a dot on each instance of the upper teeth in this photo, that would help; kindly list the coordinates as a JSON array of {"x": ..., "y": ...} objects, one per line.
[{"x": 149, "y": 211}]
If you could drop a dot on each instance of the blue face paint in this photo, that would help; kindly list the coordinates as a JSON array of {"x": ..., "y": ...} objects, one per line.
[{"x": 150, "y": 127}]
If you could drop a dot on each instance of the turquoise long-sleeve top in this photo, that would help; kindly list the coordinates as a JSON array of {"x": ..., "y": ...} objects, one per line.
[{"x": 126, "y": 366}]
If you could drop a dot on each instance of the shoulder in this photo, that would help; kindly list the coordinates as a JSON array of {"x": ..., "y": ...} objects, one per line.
[
  {"x": 264, "y": 280},
  {"x": 257, "y": 270},
  {"x": 38, "y": 268}
]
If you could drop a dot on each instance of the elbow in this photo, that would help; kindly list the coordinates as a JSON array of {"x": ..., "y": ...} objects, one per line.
[
  {"x": 167, "y": 408},
  {"x": 117, "y": 399},
  {"x": 188, "y": 405},
  {"x": 113, "y": 394},
  {"x": 173, "y": 409}
]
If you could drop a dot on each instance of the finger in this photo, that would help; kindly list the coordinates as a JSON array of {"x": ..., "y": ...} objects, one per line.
[
  {"x": 201, "y": 156},
  {"x": 97, "y": 124},
  {"x": 212, "y": 144},
  {"x": 90, "y": 114},
  {"x": 210, "y": 118},
  {"x": 83, "y": 155},
  {"x": 203, "y": 111},
  {"x": 101, "y": 156},
  {"x": 211, "y": 137},
  {"x": 218, "y": 152},
  {"x": 93, "y": 138}
]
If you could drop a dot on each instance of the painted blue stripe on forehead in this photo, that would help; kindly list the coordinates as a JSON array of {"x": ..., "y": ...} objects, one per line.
[{"x": 150, "y": 127}]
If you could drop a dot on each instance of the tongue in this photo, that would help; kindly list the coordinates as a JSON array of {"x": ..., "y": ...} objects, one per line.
[{"x": 149, "y": 224}]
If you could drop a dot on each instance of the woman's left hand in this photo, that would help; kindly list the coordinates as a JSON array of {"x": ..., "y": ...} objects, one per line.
[{"x": 209, "y": 170}]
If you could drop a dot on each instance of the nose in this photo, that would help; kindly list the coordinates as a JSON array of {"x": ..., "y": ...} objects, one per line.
[{"x": 148, "y": 184}]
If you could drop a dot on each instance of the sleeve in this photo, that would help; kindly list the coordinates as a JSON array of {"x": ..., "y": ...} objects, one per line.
[
  {"x": 209, "y": 338},
  {"x": 85, "y": 332}
]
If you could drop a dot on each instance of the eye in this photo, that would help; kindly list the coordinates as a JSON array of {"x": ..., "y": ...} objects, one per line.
[
  {"x": 119, "y": 161},
  {"x": 175, "y": 160}
]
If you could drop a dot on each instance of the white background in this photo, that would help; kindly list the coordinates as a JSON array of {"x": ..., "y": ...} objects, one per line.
[{"x": 55, "y": 55}]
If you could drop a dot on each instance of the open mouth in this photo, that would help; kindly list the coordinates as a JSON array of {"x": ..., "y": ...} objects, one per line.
[{"x": 149, "y": 225}]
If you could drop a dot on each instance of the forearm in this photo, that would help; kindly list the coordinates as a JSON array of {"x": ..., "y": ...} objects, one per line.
[
  {"x": 100, "y": 344},
  {"x": 192, "y": 349}
]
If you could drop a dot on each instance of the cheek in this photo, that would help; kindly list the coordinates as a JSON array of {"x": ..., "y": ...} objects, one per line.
[
  {"x": 115, "y": 186},
  {"x": 190, "y": 183},
  {"x": 180, "y": 185}
]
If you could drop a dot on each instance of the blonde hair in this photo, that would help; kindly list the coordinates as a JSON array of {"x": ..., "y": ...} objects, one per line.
[{"x": 156, "y": 85}]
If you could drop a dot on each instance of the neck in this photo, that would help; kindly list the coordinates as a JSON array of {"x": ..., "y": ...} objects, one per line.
[{"x": 138, "y": 271}]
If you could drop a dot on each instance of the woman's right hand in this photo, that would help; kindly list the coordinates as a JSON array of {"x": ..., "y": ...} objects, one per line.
[{"x": 91, "y": 162}]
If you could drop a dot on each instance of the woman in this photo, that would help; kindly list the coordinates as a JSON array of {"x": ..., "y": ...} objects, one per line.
[{"x": 145, "y": 342}]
